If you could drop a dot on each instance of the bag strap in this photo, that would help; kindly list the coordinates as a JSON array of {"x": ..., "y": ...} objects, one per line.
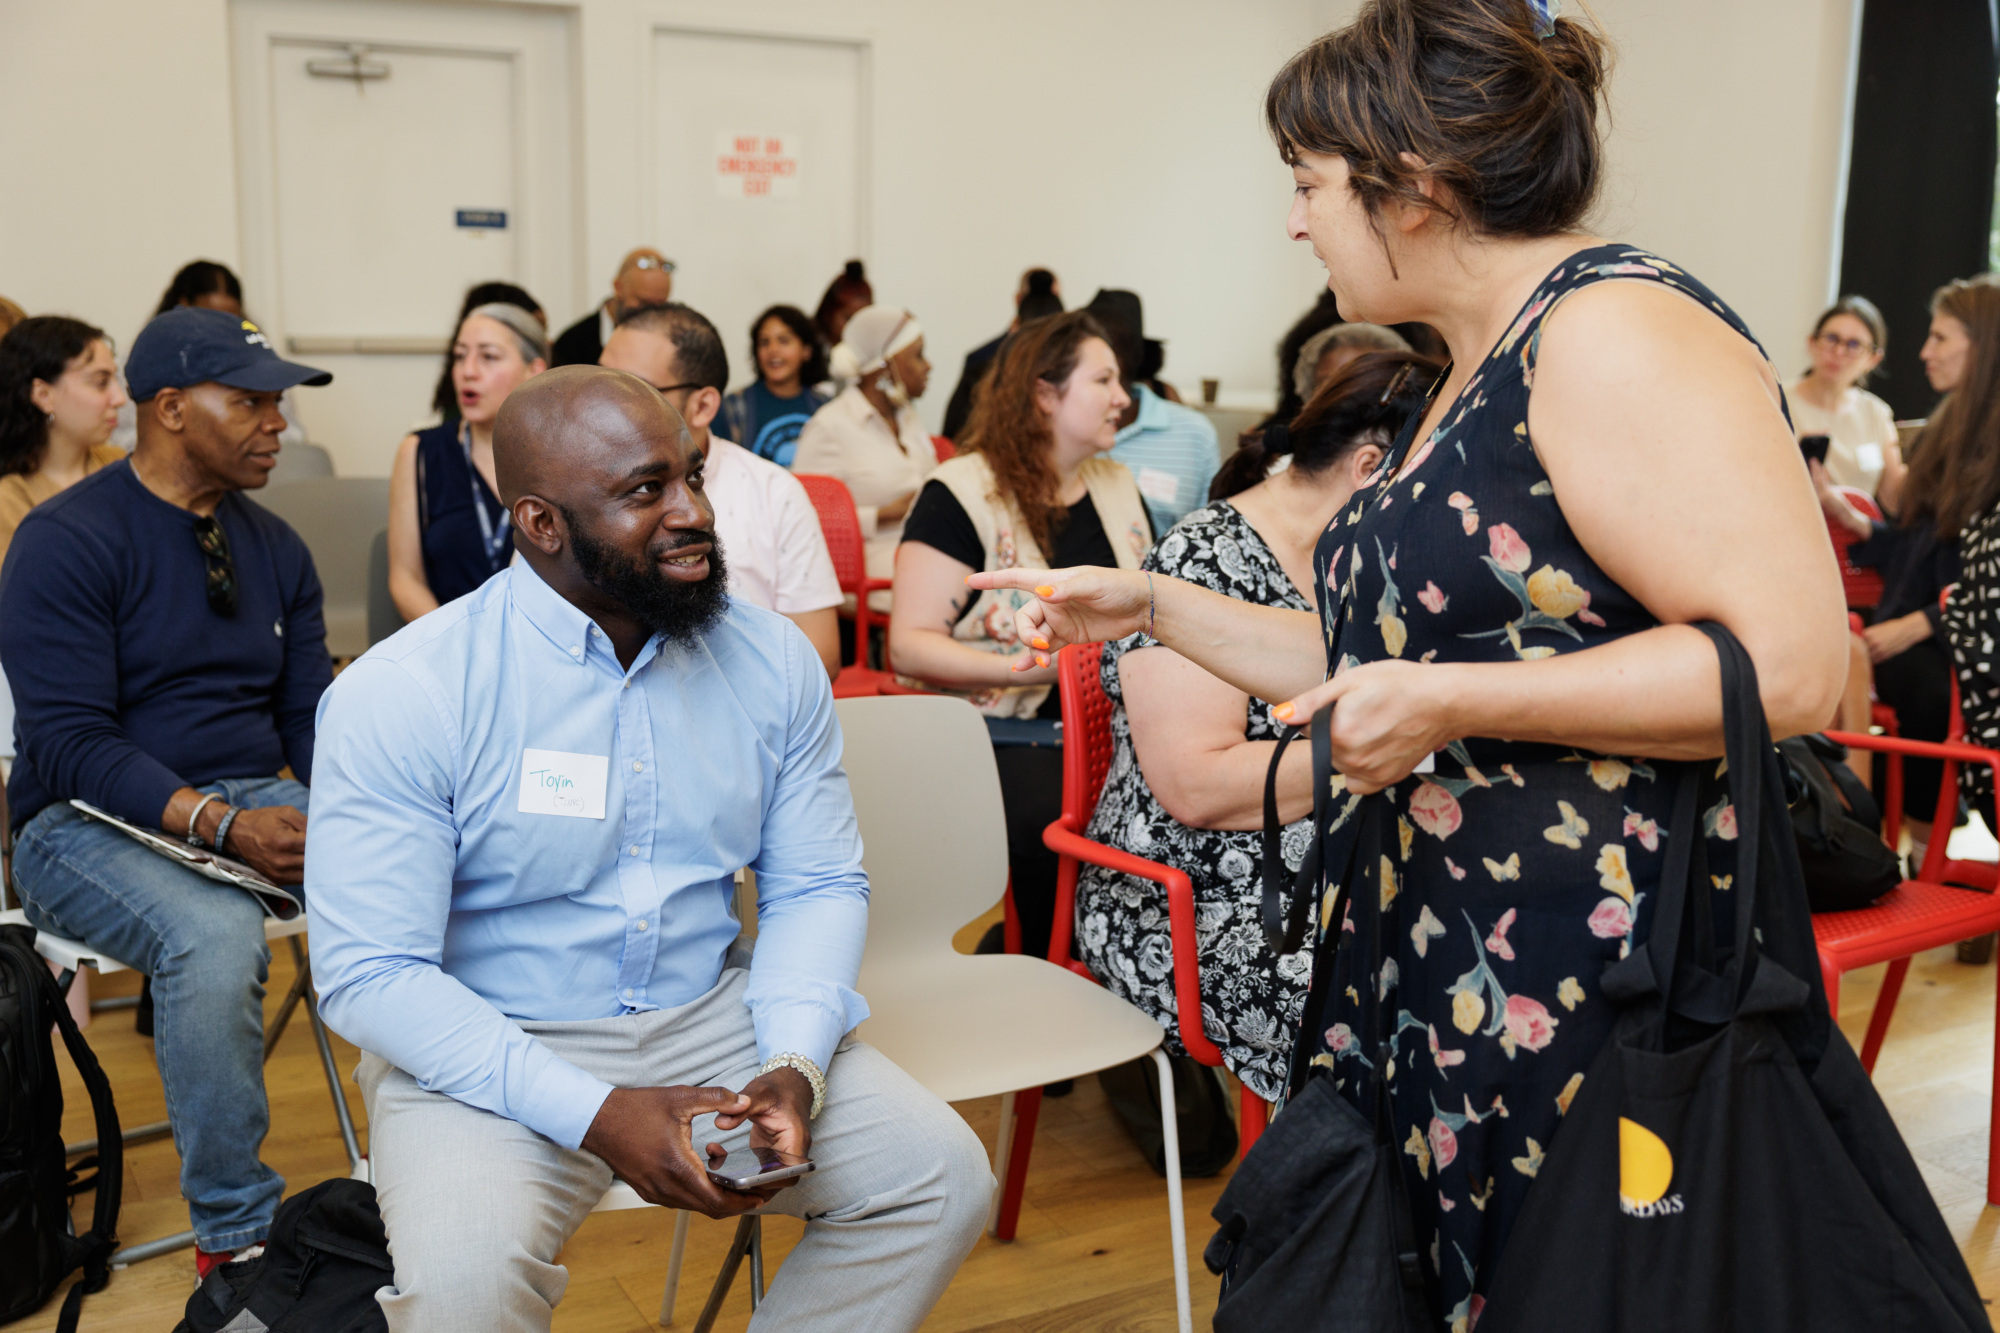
[
  {"x": 92, "y": 1250},
  {"x": 1285, "y": 917}
]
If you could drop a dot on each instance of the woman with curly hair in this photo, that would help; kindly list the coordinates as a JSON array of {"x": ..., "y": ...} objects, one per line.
[{"x": 1032, "y": 487}]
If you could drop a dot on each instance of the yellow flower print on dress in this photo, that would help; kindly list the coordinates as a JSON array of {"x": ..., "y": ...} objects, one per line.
[
  {"x": 1388, "y": 611},
  {"x": 1467, "y": 1011},
  {"x": 1388, "y": 885},
  {"x": 1570, "y": 993},
  {"x": 1568, "y": 1094}
]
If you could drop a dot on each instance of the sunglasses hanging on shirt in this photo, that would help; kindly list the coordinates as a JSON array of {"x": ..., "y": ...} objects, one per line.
[{"x": 214, "y": 544}]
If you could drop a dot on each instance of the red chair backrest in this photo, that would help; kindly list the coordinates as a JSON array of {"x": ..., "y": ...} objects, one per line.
[
  {"x": 944, "y": 448},
  {"x": 1863, "y": 585},
  {"x": 1086, "y": 721},
  {"x": 842, "y": 527}
]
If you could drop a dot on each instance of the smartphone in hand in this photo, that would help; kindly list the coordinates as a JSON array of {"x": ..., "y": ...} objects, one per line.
[
  {"x": 754, "y": 1168},
  {"x": 1814, "y": 446}
]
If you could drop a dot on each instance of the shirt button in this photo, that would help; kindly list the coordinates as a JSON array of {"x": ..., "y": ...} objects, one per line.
[
  {"x": 628, "y": 684},
  {"x": 635, "y": 851},
  {"x": 642, "y": 925},
  {"x": 628, "y": 993},
  {"x": 576, "y": 652},
  {"x": 638, "y": 767}
]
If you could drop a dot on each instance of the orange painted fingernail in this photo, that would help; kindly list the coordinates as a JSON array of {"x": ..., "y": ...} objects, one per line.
[
  {"x": 1283, "y": 712},
  {"x": 1046, "y": 590},
  {"x": 1041, "y": 660},
  {"x": 1041, "y": 643}
]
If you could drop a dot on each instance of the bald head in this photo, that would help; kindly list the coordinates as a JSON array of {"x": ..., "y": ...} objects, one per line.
[
  {"x": 575, "y": 420},
  {"x": 645, "y": 277}
]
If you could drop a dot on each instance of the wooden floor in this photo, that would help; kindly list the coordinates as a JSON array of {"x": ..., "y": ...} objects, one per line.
[{"x": 1092, "y": 1249}]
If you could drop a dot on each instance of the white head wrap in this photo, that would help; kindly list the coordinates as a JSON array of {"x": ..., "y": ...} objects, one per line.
[{"x": 873, "y": 335}]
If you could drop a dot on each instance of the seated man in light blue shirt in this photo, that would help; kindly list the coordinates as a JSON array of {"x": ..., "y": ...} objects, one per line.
[
  {"x": 527, "y": 809},
  {"x": 1169, "y": 449}
]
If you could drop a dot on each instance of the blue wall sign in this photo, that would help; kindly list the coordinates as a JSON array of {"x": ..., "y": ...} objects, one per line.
[{"x": 494, "y": 218}]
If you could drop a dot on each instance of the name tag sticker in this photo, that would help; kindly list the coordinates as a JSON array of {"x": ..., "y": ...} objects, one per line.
[
  {"x": 1157, "y": 485},
  {"x": 556, "y": 783},
  {"x": 1869, "y": 456}
]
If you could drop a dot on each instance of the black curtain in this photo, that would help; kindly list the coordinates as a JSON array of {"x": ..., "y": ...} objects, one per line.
[{"x": 1920, "y": 179}]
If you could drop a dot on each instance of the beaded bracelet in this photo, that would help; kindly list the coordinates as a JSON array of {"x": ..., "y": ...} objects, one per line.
[
  {"x": 792, "y": 1060},
  {"x": 222, "y": 829}
]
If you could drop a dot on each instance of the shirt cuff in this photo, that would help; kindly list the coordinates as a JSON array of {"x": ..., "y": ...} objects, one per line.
[
  {"x": 808, "y": 1029},
  {"x": 561, "y": 1103}
]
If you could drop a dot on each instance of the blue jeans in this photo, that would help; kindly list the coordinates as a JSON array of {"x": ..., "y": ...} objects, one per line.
[{"x": 202, "y": 943}]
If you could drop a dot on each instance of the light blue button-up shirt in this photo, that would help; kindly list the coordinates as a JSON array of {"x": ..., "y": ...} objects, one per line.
[
  {"x": 443, "y": 915},
  {"x": 1171, "y": 452}
]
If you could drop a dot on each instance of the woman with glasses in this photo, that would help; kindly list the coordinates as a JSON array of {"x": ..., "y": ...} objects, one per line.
[
  {"x": 448, "y": 531},
  {"x": 1832, "y": 399},
  {"x": 1955, "y": 476}
]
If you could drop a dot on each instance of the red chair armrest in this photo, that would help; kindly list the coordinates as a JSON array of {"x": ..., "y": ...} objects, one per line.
[
  {"x": 866, "y": 616},
  {"x": 1953, "y": 754},
  {"x": 1064, "y": 841}
]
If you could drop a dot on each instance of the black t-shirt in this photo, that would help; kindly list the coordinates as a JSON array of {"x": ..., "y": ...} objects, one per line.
[{"x": 940, "y": 522}]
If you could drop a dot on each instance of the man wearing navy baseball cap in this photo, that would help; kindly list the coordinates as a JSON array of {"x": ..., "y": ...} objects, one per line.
[{"x": 164, "y": 639}]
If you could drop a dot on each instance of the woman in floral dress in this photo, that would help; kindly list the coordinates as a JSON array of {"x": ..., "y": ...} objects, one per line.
[
  {"x": 1512, "y": 600},
  {"x": 1189, "y": 752}
]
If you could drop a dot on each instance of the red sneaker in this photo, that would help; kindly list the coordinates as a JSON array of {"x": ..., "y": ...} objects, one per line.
[{"x": 206, "y": 1263}]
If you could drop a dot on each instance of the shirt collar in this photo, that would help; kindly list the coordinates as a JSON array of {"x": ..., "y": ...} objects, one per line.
[
  {"x": 1152, "y": 413},
  {"x": 564, "y": 624}
]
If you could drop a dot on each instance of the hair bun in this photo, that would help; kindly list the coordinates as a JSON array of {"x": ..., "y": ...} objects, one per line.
[{"x": 853, "y": 270}]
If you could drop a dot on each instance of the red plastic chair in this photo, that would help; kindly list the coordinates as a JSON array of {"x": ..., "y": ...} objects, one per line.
[
  {"x": 1936, "y": 908},
  {"x": 842, "y": 528},
  {"x": 944, "y": 448},
  {"x": 1863, "y": 585},
  {"x": 1087, "y": 754}
]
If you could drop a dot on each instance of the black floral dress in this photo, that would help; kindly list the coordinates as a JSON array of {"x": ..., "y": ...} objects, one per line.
[
  {"x": 1250, "y": 999},
  {"x": 1502, "y": 883}
]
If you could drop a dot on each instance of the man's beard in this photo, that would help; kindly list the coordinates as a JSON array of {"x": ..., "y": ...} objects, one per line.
[{"x": 682, "y": 613}]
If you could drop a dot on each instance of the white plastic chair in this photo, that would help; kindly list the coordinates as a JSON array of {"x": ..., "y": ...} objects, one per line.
[
  {"x": 70, "y": 955},
  {"x": 927, "y": 794}
]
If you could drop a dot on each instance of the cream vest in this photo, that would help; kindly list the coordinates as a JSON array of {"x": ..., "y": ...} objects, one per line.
[{"x": 989, "y": 624}]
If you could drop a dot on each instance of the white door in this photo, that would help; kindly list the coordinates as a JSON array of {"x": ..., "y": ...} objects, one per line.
[
  {"x": 759, "y": 185},
  {"x": 391, "y": 157}
]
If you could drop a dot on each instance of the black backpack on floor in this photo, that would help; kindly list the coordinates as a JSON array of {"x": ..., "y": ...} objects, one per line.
[
  {"x": 1838, "y": 827},
  {"x": 37, "y": 1249},
  {"x": 326, "y": 1257}
]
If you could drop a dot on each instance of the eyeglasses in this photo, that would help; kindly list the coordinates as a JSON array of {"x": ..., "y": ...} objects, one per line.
[
  {"x": 1833, "y": 342},
  {"x": 214, "y": 544},
  {"x": 654, "y": 261}
]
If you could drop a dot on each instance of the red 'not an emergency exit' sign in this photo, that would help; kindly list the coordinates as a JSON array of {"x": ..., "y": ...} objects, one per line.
[{"x": 756, "y": 166}]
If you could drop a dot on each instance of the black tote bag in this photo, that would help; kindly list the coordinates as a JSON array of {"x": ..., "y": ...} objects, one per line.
[
  {"x": 1316, "y": 1234},
  {"x": 1726, "y": 1164}
]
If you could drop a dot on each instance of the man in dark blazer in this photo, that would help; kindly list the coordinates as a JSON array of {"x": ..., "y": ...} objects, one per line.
[{"x": 1039, "y": 294}]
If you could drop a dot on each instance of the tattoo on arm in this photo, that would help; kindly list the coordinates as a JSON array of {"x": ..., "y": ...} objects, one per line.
[{"x": 957, "y": 612}]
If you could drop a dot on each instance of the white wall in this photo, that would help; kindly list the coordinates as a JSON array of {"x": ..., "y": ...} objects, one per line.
[
  {"x": 1726, "y": 149},
  {"x": 1118, "y": 143}
]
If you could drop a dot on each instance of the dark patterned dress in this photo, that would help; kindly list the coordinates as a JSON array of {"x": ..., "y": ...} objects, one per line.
[
  {"x": 1505, "y": 881},
  {"x": 1971, "y": 623},
  {"x": 1250, "y": 999}
]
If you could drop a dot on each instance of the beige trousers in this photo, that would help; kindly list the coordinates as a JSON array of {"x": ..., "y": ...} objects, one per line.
[{"x": 477, "y": 1206}]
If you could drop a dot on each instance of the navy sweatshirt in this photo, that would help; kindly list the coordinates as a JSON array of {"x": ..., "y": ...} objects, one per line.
[{"x": 126, "y": 685}]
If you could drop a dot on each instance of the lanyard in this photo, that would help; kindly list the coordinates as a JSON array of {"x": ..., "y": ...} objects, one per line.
[{"x": 494, "y": 539}]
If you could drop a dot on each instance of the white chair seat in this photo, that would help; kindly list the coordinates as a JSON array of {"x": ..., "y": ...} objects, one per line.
[
  {"x": 73, "y": 954},
  {"x": 996, "y": 1023}
]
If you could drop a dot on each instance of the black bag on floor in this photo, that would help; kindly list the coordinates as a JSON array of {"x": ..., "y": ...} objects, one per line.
[
  {"x": 1316, "y": 1233},
  {"x": 326, "y": 1257},
  {"x": 1837, "y": 823},
  {"x": 37, "y": 1250},
  {"x": 1207, "y": 1133},
  {"x": 1726, "y": 1164}
]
